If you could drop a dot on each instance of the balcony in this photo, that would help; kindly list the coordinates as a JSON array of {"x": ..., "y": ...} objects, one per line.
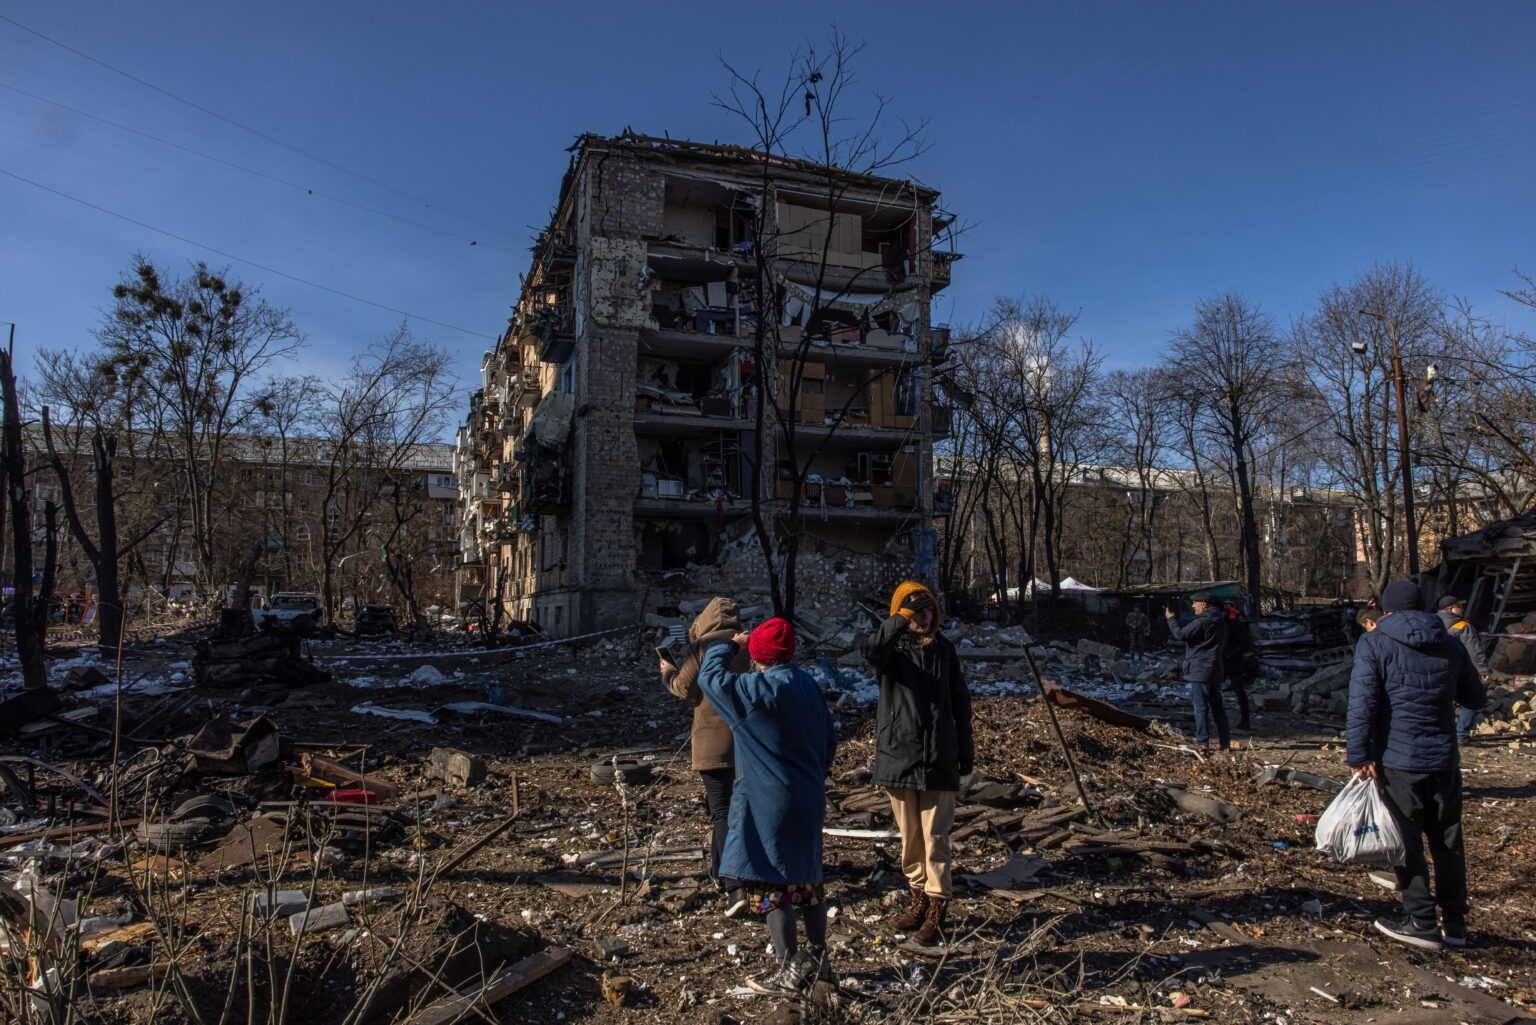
[
  {"x": 555, "y": 327},
  {"x": 942, "y": 263}
]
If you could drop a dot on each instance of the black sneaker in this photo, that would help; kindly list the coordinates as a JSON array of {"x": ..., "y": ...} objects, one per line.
[
  {"x": 735, "y": 903},
  {"x": 1405, "y": 930},
  {"x": 1454, "y": 933},
  {"x": 777, "y": 983},
  {"x": 822, "y": 961},
  {"x": 790, "y": 979}
]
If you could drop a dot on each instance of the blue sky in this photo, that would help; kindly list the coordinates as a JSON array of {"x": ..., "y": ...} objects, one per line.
[{"x": 1124, "y": 158}]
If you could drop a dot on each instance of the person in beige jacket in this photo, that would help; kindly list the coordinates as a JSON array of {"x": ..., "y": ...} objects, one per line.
[{"x": 713, "y": 754}]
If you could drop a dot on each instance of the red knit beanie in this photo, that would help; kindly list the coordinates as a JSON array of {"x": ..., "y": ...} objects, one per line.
[{"x": 772, "y": 643}]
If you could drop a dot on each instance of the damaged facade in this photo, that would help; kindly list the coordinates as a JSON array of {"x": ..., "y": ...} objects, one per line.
[{"x": 704, "y": 328}]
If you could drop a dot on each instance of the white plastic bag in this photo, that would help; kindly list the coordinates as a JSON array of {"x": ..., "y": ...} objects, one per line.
[{"x": 1358, "y": 826}]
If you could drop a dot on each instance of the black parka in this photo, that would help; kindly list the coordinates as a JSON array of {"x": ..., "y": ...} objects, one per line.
[
  {"x": 1204, "y": 640},
  {"x": 923, "y": 721}
]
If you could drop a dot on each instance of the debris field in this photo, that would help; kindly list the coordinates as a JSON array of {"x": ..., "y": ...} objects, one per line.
[{"x": 518, "y": 837}]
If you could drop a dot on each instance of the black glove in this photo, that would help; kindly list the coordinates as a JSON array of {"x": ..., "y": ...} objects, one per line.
[
  {"x": 917, "y": 601},
  {"x": 966, "y": 768}
]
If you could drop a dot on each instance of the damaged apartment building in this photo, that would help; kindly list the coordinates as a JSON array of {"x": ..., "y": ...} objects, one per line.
[{"x": 706, "y": 333}]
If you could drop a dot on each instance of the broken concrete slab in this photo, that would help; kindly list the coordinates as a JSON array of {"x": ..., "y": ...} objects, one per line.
[
  {"x": 321, "y": 919},
  {"x": 459, "y": 768},
  {"x": 279, "y": 902}
]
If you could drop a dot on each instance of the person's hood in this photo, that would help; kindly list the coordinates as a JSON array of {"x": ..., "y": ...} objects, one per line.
[
  {"x": 908, "y": 588},
  {"x": 721, "y": 614},
  {"x": 1418, "y": 630}
]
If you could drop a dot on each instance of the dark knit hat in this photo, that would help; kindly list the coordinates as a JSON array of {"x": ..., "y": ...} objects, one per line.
[
  {"x": 1447, "y": 601},
  {"x": 772, "y": 643},
  {"x": 1402, "y": 596},
  {"x": 1204, "y": 596}
]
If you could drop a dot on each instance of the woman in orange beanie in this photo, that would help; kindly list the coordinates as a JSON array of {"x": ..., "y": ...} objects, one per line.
[{"x": 922, "y": 746}]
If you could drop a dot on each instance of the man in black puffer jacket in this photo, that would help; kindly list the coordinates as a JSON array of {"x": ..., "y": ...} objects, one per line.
[
  {"x": 1204, "y": 640},
  {"x": 1409, "y": 676}
]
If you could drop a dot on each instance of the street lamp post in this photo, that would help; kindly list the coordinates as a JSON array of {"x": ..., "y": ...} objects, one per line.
[{"x": 1409, "y": 518}]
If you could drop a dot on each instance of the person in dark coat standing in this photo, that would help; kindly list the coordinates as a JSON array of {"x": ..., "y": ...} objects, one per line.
[
  {"x": 1204, "y": 639},
  {"x": 922, "y": 747},
  {"x": 1453, "y": 613},
  {"x": 1409, "y": 676},
  {"x": 785, "y": 741},
  {"x": 1236, "y": 654},
  {"x": 710, "y": 740}
]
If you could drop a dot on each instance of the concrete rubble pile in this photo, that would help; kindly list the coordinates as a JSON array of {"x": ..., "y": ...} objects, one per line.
[{"x": 1297, "y": 643}]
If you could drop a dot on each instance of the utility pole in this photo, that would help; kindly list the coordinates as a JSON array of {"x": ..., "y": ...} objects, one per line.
[{"x": 1409, "y": 519}]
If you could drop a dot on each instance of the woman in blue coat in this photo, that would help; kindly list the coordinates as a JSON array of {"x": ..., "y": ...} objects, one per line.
[{"x": 785, "y": 742}]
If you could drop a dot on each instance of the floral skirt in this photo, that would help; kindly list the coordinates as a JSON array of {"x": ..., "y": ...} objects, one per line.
[{"x": 764, "y": 897}]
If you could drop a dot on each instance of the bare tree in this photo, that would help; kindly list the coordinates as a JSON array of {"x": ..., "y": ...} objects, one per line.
[
  {"x": 1137, "y": 412},
  {"x": 1346, "y": 362},
  {"x": 397, "y": 395},
  {"x": 1231, "y": 366},
  {"x": 803, "y": 125},
  {"x": 29, "y": 612},
  {"x": 1041, "y": 393},
  {"x": 193, "y": 345}
]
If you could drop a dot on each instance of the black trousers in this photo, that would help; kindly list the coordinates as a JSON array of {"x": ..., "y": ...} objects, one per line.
[
  {"x": 718, "y": 784},
  {"x": 1237, "y": 683},
  {"x": 1428, "y": 805}
]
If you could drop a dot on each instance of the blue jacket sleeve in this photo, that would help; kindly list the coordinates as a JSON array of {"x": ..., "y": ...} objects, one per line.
[
  {"x": 1180, "y": 632},
  {"x": 1365, "y": 691},
  {"x": 1471, "y": 692},
  {"x": 733, "y": 695}
]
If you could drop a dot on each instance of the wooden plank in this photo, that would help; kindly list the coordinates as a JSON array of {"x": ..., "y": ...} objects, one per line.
[
  {"x": 503, "y": 984},
  {"x": 127, "y": 978},
  {"x": 324, "y": 768}
]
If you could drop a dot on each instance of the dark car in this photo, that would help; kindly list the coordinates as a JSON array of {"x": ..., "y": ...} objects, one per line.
[{"x": 375, "y": 619}]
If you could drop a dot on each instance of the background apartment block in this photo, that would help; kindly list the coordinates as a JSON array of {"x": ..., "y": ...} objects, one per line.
[{"x": 611, "y": 455}]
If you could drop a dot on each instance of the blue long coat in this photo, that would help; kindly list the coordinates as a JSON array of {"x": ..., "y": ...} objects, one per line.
[{"x": 785, "y": 742}]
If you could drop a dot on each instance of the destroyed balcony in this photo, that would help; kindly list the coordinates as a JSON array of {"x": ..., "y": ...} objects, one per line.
[
  {"x": 555, "y": 250},
  {"x": 555, "y": 328},
  {"x": 942, "y": 264}
]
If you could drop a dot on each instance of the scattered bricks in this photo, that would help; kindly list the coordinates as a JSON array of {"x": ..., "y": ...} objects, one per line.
[
  {"x": 456, "y": 767},
  {"x": 331, "y": 916}
]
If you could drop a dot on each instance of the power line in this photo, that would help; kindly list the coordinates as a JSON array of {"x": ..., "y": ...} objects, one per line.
[
  {"x": 258, "y": 173},
  {"x": 241, "y": 259},
  {"x": 260, "y": 134}
]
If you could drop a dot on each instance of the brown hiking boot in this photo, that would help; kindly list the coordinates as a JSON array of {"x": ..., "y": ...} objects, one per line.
[
  {"x": 916, "y": 913},
  {"x": 933, "y": 924}
]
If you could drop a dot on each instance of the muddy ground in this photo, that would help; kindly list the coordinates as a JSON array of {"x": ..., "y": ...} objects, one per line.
[{"x": 1117, "y": 927}]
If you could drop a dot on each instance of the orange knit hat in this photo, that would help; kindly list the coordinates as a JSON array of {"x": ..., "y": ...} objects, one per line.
[{"x": 910, "y": 587}]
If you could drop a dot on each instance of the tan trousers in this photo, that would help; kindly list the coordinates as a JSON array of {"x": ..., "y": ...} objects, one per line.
[{"x": 925, "y": 818}]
